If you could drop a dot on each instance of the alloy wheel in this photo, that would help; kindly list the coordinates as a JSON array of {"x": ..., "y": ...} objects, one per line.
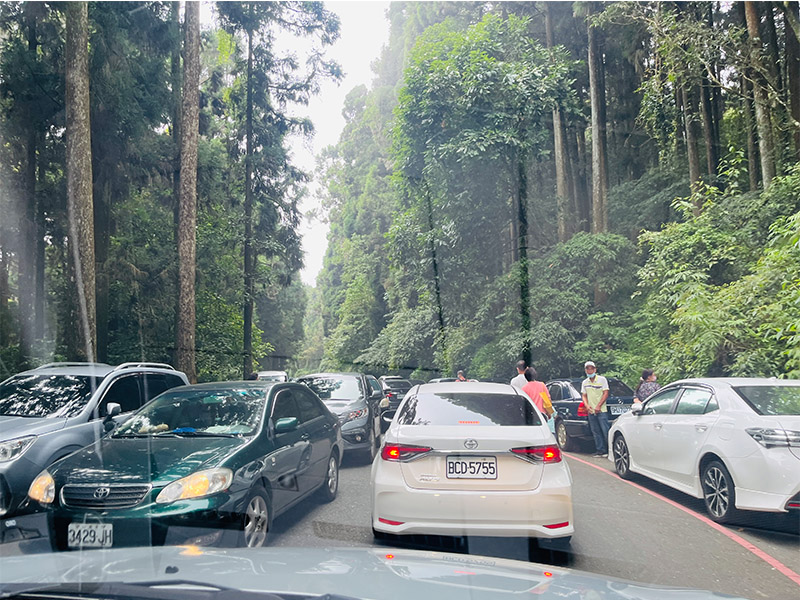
[
  {"x": 622, "y": 457},
  {"x": 716, "y": 491},
  {"x": 333, "y": 476},
  {"x": 256, "y": 522}
]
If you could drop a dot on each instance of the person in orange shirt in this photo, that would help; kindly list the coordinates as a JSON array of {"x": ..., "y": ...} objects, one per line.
[{"x": 537, "y": 392}]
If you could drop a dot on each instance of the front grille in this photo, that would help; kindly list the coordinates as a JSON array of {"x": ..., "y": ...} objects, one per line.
[{"x": 103, "y": 497}]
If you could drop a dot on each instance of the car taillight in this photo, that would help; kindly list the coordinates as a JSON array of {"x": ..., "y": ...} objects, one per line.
[
  {"x": 775, "y": 438},
  {"x": 582, "y": 412},
  {"x": 545, "y": 454},
  {"x": 402, "y": 452}
]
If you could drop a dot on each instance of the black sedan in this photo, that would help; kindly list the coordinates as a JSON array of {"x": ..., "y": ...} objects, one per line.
[
  {"x": 209, "y": 464},
  {"x": 572, "y": 420},
  {"x": 356, "y": 402}
]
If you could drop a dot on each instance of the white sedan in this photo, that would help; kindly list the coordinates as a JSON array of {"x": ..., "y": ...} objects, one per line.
[
  {"x": 467, "y": 458},
  {"x": 734, "y": 442}
]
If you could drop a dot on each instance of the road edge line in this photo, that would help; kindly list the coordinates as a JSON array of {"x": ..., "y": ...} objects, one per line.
[{"x": 767, "y": 558}]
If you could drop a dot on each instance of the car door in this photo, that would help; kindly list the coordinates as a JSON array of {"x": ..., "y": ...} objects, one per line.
[
  {"x": 285, "y": 462},
  {"x": 643, "y": 432},
  {"x": 684, "y": 433},
  {"x": 318, "y": 425}
]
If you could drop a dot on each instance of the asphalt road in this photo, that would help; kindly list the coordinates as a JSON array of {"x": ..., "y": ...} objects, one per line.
[
  {"x": 640, "y": 531},
  {"x": 622, "y": 530}
]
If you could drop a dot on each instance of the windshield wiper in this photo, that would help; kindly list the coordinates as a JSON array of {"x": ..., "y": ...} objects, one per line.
[{"x": 194, "y": 433}]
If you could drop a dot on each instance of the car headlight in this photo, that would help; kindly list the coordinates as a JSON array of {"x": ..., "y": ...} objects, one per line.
[
  {"x": 13, "y": 449},
  {"x": 43, "y": 488},
  {"x": 353, "y": 415},
  {"x": 196, "y": 485}
]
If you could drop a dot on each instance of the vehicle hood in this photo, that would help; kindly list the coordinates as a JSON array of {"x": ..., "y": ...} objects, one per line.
[
  {"x": 137, "y": 460},
  {"x": 13, "y": 427},
  {"x": 337, "y": 407},
  {"x": 383, "y": 573}
]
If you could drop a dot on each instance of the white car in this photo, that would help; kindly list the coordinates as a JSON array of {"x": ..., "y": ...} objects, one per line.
[
  {"x": 735, "y": 442},
  {"x": 471, "y": 459}
]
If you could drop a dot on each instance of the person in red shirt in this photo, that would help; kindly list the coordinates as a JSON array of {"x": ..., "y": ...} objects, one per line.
[{"x": 537, "y": 392}]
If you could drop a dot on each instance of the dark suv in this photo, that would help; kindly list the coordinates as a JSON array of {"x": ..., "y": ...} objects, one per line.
[
  {"x": 571, "y": 418},
  {"x": 51, "y": 411},
  {"x": 355, "y": 399},
  {"x": 395, "y": 389}
]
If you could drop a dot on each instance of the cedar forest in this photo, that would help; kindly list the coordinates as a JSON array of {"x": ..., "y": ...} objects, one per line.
[{"x": 565, "y": 181}]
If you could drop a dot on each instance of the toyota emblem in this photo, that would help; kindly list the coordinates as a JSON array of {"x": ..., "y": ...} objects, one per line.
[
  {"x": 102, "y": 492},
  {"x": 470, "y": 444}
]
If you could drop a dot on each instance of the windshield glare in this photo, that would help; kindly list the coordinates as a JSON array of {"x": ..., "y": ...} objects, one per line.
[
  {"x": 46, "y": 395},
  {"x": 237, "y": 412},
  {"x": 335, "y": 388}
]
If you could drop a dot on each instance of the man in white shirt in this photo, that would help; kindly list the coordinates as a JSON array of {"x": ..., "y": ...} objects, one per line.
[
  {"x": 594, "y": 391},
  {"x": 519, "y": 381}
]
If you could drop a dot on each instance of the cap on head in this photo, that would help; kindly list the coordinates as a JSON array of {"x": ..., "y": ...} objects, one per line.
[{"x": 589, "y": 363}]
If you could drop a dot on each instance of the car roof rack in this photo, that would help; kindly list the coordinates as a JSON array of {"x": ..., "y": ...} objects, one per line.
[
  {"x": 71, "y": 364},
  {"x": 142, "y": 365}
]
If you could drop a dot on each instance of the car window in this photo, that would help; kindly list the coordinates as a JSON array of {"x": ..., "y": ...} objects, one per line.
[
  {"x": 285, "y": 406},
  {"x": 310, "y": 407},
  {"x": 468, "y": 409},
  {"x": 191, "y": 412},
  {"x": 772, "y": 399},
  {"x": 46, "y": 395},
  {"x": 334, "y": 388},
  {"x": 154, "y": 384},
  {"x": 375, "y": 384},
  {"x": 397, "y": 384},
  {"x": 618, "y": 388},
  {"x": 554, "y": 390},
  {"x": 712, "y": 405},
  {"x": 660, "y": 404},
  {"x": 693, "y": 401},
  {"x": 125, "y": 392}
]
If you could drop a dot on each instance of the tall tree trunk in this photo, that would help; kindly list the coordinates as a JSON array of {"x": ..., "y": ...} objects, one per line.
[
  {"x": 709, "y": 128},
  {"x": 187, "y": 209},
  {"x": 175, "y": 79},
  {"x": 597, "y": 90},
  {"x": 249, "y": 262},
  {"x": 5, "y": 295},
  {"x": 564, "y": 199},
  {"x": 437, "y": 290},
  {"x": 750, "y": 131},
  {"x": 690, "y": 128},
  {"x": 79, "y": 172},
  {"x": 102, "y": 239},
  {"x": 38, "y": 296},
  {"x": 580, "y": 180},
  {"x": 792, "y": 12},
  {"x": 524, "y": 280},
  {"x": 766, "y": 145}
]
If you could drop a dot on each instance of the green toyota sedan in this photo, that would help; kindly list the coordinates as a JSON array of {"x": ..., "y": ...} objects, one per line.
[{"x": 208, "y": 464}]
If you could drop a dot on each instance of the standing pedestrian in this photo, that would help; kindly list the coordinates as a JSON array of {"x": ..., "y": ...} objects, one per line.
[
  {"x": 519, "y": 381},
  {"x": 594, "y": 391},
  {"x": 537, "y": 391},
  {"x": 647, "y": 386}
]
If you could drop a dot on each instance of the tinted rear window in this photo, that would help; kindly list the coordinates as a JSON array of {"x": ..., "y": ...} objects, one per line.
[
  {"x": 398, "y": 384},
  {"x": 772, "y": 399},
  {"x": 457, "y": 408}
]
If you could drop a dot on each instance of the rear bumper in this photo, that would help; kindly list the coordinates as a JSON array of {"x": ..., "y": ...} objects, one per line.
[{"x": 525, "y": 513}]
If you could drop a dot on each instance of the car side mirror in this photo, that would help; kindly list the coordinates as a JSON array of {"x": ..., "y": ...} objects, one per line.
[
  {"x": 112, "y": 410},
  {"x": 376, "y": 395},
  {"x": 636, "y": 409},
  {"x": 286, "y": 424}
]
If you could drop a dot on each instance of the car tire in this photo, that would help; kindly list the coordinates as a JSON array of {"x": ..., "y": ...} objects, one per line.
[
  {"x": 372, "y": 444},
  {"x": 564, "y": 441},
  {"x": 622, "y": 457},
  {"x": 330, "y": 486},
  {"x": 719, "y": 493},
  {"x": 256, "y": 519}
]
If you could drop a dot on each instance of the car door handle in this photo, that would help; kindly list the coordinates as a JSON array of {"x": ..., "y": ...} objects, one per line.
[
  {"x": 305, "y": 437},
  {"x": 700, "y": 428},
  {"x": 657, "y": 425}
]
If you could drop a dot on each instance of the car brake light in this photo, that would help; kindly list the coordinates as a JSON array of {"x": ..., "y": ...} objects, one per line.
[
  {"x": 775, "y": 438},
  {"x": 557, "y": 525},
  {"x": 402, "y": 452},
  {"x": 582, "y": 412},
  {"x": 546, "y": 454}
]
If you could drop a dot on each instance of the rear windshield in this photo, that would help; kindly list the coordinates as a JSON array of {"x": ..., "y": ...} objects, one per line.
[
  {"x": 398, "y": 384},
  {"x": 457, "y": 408},
  {"x": 46, "y": 395},
  {"x": 772, "y": 399},
  {"x": 334, "y": 388},
  {"x": 618, "y": 388}
]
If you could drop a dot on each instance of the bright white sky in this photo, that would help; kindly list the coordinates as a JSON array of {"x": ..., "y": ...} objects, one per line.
[{"x": 364, "y": 31}]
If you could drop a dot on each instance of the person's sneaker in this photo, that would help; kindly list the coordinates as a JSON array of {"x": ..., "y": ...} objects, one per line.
[{"x": 600, "y": 455}]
